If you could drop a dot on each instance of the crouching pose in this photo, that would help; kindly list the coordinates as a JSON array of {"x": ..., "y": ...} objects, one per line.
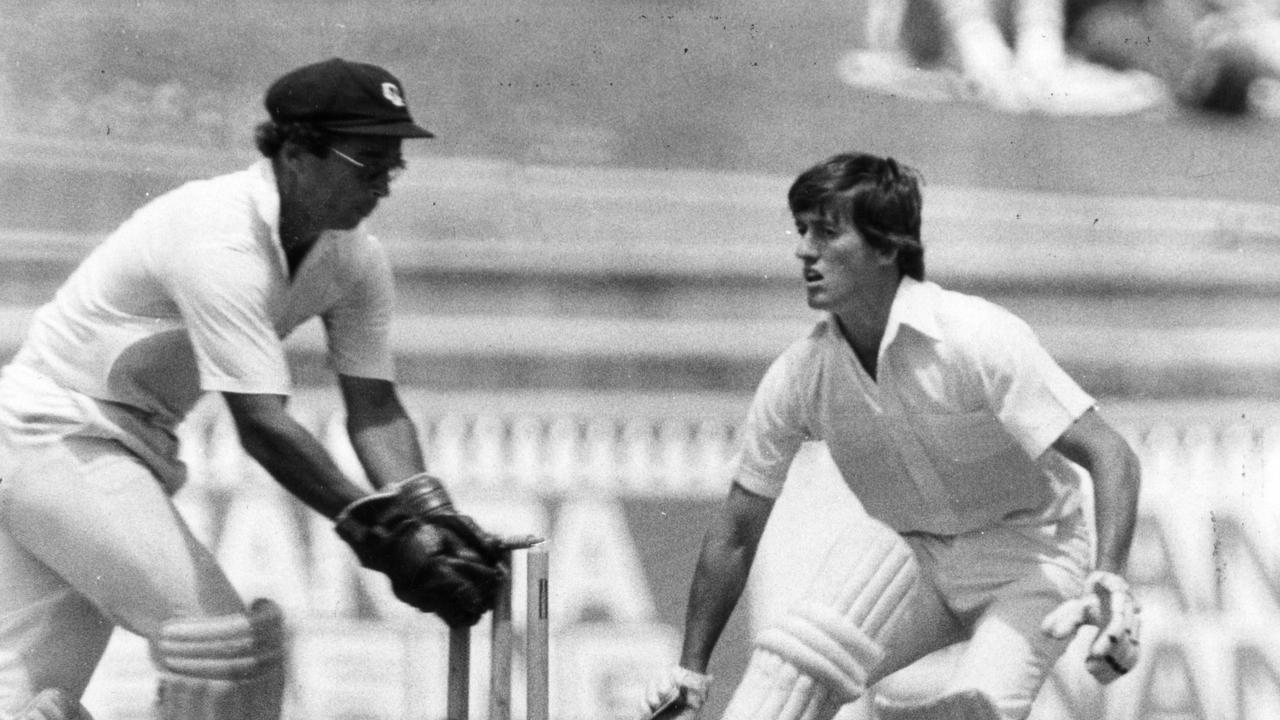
[
  {"x": 194, "y": 294},
  {"x": 966, "y": 444}
]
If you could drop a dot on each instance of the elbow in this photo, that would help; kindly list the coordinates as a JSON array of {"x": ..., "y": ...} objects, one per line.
[
  {"x": 735, "y": 533},
  {"x": 734, "y": 542}
]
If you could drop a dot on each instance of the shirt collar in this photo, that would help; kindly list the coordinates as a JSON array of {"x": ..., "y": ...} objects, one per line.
[
  {"x": 266, "y": 200},
  {"x": 266, "y": 196},
  {"x": 913, "y": 307}
]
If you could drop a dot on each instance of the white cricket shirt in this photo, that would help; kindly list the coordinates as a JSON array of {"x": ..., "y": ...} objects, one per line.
[
  {"x": 192, "y": 294},
  {"x": 953, "y": 435}
]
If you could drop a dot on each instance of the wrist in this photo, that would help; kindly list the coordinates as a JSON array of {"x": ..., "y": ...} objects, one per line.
[
  {"x": 361, "y": 511},
  {"x": 697, "y": 681},
  {"x": 426, "y": 494},
  {"x": 1103, "y": 582},
  {"x": 1109, "y": 563},
  {"x": 1106, "y": 575}
]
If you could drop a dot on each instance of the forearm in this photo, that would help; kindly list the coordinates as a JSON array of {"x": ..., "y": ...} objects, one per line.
[
  {"x": 297, "y": 460},
  {"x": 721, "y": 575},
  {"x": 387, "y": 447},
  {"x": 1117, "y": 477},
  {"x": 1116, "y": 484},
  {"x": 718, "y": 583}
]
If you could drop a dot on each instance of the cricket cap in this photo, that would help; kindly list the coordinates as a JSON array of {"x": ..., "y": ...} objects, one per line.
[{"x": 341, "y": 96}]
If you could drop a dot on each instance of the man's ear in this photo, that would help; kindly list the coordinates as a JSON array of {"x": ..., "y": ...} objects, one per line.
[
  {"x": 292, "y": 154},
  {"x": 887, "y": 256}
]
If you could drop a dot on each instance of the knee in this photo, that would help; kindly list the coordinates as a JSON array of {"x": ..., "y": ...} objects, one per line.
[{"x": 222, "y": 668}]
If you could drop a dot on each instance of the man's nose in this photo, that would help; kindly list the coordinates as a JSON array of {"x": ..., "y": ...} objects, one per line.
[{"x": 805, "y": 247}]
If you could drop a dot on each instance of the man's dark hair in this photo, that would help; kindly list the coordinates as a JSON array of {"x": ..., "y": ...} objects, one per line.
[
  {"x": 271, "y": 136},
  {"x": 875, "y": 196}
]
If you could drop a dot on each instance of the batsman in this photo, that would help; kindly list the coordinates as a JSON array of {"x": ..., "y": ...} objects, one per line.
[
  {"x": 969, "y": 448},
  {"x": 194, "y": 295}
]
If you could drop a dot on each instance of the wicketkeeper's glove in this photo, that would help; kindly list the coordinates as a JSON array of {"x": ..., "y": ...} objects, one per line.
[
  {"x": 438, "y": 560},
  {"x": 1108, "y": 604}
]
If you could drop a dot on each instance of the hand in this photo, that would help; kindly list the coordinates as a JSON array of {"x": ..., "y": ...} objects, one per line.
[
  {"x": 678, "y": 695},
  {"x": 1108, "y": 604},
  {"x": 459, "y": 590},
  {"x": 426, "y": 495},
  {"x": 441, "y": 568}
]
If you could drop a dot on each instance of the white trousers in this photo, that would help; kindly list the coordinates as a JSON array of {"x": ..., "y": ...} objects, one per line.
[
  {"x": 993, "y": 588},
  {"x": 89, "y": 540}
]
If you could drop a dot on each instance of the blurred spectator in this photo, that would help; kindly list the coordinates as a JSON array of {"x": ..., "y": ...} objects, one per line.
[
  {"x": 1213, "y": 54},
  {"x": 1071, "y": 56}
]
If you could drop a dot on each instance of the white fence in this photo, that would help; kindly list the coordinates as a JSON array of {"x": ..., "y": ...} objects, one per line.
[
  {"x": 678, "y": 445},
  {"x": 599, "y": 476}
]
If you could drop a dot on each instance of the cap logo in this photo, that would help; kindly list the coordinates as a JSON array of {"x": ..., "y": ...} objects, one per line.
[{"x": 392, "y": 94}]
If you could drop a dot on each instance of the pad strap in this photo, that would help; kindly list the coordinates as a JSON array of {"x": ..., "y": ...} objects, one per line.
[
  {"x": 222, "y": 668},
  {"x": 834, "y": 635}
]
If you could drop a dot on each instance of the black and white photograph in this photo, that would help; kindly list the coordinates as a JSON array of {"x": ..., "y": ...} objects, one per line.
[{"x": 640, "y": 360}]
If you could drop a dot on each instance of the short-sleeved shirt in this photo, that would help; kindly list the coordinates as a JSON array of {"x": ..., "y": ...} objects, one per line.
[
  {"x": 193, "y": 294},
  {"x": 954, "y": 433}
]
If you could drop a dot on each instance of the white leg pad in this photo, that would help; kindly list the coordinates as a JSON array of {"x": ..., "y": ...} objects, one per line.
[
  {"x": 866, "y": 580},
  {"x": 774, "y": 689},
  {"x": 821, "y": 652},
  {"x": 222, "y": 668},
  {"x": 53, "y": 704},
  {"x": 825, "y": 646},
  {"x": 963, "y": 705}
]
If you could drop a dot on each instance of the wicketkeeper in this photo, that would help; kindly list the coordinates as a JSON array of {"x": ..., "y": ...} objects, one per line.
[
  {"x": 194, "y": 294},
  {"x": 964, "y": 441}
]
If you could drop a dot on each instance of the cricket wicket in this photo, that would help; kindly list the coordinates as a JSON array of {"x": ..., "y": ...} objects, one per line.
[{"x": 537, "y": 668}]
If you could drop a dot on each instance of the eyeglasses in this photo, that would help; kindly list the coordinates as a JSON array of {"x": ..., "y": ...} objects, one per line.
[{"x": 374, "y": 173}]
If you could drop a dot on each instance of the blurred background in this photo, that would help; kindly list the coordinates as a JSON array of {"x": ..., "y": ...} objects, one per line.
[{"x": 594, "y": 267}]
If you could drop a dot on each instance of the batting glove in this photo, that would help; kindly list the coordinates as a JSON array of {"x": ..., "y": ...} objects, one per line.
[
  {"x": 680, "y": 694},
  {"x": 1109, "y": 605}
]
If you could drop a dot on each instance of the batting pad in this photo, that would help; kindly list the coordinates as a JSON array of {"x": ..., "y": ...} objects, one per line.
[
  {"x": 965, "y": 705},
  {"x": 826, "y": 647},
  {"x": 53, "y": 704},
  {"x": 229, "y": 667},
  {"x": 822, "y": 651}
]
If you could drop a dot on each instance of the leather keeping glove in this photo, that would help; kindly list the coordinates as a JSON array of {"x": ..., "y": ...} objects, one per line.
[{"x": 437, "y": 561}]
